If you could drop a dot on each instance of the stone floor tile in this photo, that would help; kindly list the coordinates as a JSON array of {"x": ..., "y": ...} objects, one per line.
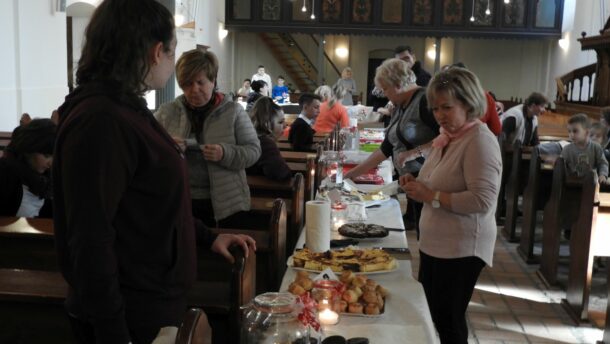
[{"x": 500, "y": 335}]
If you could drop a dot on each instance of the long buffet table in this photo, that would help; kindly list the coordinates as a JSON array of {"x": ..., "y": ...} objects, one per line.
[{"x": 406, "y": 318}]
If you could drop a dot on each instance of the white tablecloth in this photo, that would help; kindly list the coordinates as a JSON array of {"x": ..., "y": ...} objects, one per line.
[{"x": 407, "y": 317}]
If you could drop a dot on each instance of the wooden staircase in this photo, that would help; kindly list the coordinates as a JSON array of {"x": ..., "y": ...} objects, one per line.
[{"x": 292, "y": 59}]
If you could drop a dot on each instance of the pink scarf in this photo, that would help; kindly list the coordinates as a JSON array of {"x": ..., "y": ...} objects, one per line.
[{"x": 445, "y": 137}]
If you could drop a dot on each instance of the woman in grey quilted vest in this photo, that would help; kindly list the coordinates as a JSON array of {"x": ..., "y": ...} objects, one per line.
[
  {"x": 217, "y": 137},
  {"x": 410, "y": 132}
]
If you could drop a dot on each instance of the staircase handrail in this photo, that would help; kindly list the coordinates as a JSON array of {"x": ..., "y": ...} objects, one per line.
[
  {"x": 287, "y": 38},
  {"x": 565, "y": 83},
  {"x": 326, "y": 56}
]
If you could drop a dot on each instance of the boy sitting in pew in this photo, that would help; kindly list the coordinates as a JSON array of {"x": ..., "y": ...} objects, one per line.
[
  {"x": 583, "y": 154},
  {"x": 580, "y": 156},
  {"x": 301, "y": 131}
]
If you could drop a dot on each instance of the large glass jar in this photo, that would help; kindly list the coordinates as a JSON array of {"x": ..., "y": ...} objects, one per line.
[
  {"x": 272, "y": 318},
  {"x": 333, "y": 166}
]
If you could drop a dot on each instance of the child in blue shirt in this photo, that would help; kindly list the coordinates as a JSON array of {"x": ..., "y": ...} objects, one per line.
[{"x": 280, "y": 91}]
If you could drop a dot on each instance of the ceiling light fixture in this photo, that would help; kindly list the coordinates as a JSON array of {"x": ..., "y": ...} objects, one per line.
[
  {"x": 472, "y": 14},
  {"x": 507, "y": 1},
  {"x": 313, "y": 3},
  {"x": 304, "y": 8},
  {"x": 487, "y": 11}
]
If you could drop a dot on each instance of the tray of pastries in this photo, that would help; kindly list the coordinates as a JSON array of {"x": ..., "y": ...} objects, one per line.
[
  {"x": 357, "y": 296},
  {"x": 347, "y": 259}
]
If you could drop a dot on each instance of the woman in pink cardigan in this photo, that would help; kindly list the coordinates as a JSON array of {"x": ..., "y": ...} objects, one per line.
[{"x": 458, "y": 185}]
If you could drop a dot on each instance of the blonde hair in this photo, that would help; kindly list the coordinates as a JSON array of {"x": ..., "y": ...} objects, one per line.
[
  {"x": 193, "y": 62},
  {"x": 325, "y": 92},
  {"x": 394, "y": 72},
  {"x": 345, "y": 71},
  {"x": 463, "y": 85},
  {"x": 337, "y": 94}
]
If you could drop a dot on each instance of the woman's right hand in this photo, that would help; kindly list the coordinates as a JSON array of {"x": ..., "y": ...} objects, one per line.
[{"x": 404, "y": 179}]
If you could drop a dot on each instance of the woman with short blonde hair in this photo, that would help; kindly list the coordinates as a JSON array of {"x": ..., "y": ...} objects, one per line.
[
  {"x": 458, "y": 185},
  {"x": 219, "y": 138}
]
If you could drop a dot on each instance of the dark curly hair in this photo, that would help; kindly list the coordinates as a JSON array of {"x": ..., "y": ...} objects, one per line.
[
  {"x": 118, "y": 40},
  {"x": 38, "y": 136}
]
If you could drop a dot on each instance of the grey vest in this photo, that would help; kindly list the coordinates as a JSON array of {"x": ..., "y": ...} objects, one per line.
[{"x": 413, "y": 129}]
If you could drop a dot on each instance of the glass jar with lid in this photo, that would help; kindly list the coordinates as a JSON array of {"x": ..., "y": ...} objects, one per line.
[{"x": 274, "y": 318}]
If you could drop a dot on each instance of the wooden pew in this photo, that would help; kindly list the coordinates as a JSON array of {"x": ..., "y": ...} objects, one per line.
[
  {"x": 264, "y": 191},
  {"x": 506, "y": 155},
  {"x": 28, "y": 246},
  {"x": 533, "y": 198},
  {"x": 589, "y": 239},
  {"x": 268, "y": 228},
  {"x": 564, "y": 187},
  {"x": 32, "y": 307},
  {"x": 221, "y": 289},
  {"x": 606, "y": 338},
  {"x": 294, "y": 156},
  {"x": 513, "y": 190}
]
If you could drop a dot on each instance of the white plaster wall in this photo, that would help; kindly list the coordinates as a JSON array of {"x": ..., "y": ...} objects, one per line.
[
  {"x": 9, "y": 66},
  {"x": 210, "y": 15},
  {"x": 36, "y": 68}
]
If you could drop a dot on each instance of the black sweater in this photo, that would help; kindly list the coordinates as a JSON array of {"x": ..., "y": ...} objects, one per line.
[
  {"x": 301, "y": 136},
  {"x": 271, "y": 164},
  {"x": 124, "y": 231}
]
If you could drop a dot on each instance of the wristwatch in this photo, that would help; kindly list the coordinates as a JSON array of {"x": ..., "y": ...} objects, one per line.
[{"x": 436, "y": 201}]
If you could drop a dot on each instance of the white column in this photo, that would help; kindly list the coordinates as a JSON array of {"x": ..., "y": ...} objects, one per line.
[{"x": 34, "y": 60}]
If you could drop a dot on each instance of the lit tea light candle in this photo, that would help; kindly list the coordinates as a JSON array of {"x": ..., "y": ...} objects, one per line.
[
  {"x": 338, "y": 224},
  {"x": 328, "y": 316}
]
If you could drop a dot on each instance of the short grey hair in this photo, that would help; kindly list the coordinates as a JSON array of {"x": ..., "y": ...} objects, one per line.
[{"x": 395, "y": 72}]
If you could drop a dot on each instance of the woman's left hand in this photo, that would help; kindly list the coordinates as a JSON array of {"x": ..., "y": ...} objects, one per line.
[
  {"x": 418, "y": 191},
  {"x": 213, "y": 152},
  {"x": 224, "y": 241}
]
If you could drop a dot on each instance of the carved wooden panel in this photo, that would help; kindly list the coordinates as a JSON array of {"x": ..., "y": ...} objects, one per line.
[
  {"x": 361, "y": 11},
  {"x": 241, "y": 9},
  {"x": 391, "y": 11},
  {"x": 332, "y": 11},
  {"x": 453, "y": 12},
  {"x": 297, "y": 10},
  {"x": 271, "y": 10},
  {"x": 514, "y": 13},
  {"x": 483, "y": 17},
  {"x": 422, "y": 12},
  {"x": 545, "y": 13}
]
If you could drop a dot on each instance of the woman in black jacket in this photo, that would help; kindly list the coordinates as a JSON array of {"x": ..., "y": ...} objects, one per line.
[{"x": 25, "y": 181}]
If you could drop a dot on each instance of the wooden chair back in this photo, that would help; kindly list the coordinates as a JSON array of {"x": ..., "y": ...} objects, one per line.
[{"x": 195, "y": 328}]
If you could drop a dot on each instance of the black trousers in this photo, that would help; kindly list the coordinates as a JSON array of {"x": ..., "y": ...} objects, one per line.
[{"x": 448, "y": 285}]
